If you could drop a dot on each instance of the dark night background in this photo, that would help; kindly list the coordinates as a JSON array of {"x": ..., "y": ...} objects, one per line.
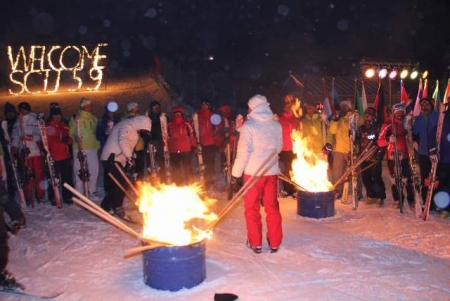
[{"x": 256, "y": 44}]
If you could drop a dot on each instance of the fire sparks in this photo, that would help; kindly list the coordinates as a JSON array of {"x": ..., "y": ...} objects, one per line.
[
  {"x": 308, "y": 170},
  {"x": 174, "y": 214}
]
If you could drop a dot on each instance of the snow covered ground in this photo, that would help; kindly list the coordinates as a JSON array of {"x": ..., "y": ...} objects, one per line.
[{"x": 369, "y": 254}]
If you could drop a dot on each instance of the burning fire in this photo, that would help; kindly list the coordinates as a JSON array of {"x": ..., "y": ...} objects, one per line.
[
  {"x": 308, "y": 170},
  {"x": 174, "y": 214}
]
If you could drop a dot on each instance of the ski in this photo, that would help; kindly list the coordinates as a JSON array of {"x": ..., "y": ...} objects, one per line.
[
  {"x": 14, "y": 166},
  {"x": 354, "y": 177},
  {"x": 53, "y": 177},
  {"x": 432, "y": 182},
  {"x": 408, "y": 121},
  {"x": 153, "y": 167},
  {"x": 24, "y": 292},
  {"x": 397, "y": 168},
  {"x": 227, "y": 171},
  {"x": 83, "y": 173},
  {"x": 26, "y": 172},
  {"x": 201, "y": 166},
  {"x": 165, "y": 136}
]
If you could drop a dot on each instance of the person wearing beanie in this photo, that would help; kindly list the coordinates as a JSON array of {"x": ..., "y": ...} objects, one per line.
[
  {"x": 366, "y": 136},
  {"x": 209, "y": 148},
  {"x": 422, "y": 131},
  {"x": 85, "y": 140},
  {"x": 7, "y": 179},
  {"x": 260, "y": 136},
  {"x": 339, "y": 127},
  {"x": 393, "y": 138},
  {"x": 181, "y": 142},
  {"x": 106, "y": 123},
  {"x": 26, "y": 144},
  {"x": 132, "y": 109},
  {"x": 59, "y": 144}
]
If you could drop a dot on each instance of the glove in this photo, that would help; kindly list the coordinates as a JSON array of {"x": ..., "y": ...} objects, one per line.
[
  {"x": 145, "y": 135},
  {"x": 236, "y": 183},
  {"x": 130, "y": 163},
  {"x": 336, "y": 117},
  {"x": 392, "y": 139},
  {"x": 379, "y": 154},
  {"x": 327, "y": 148},
  {"x": 434, "y": 155}
]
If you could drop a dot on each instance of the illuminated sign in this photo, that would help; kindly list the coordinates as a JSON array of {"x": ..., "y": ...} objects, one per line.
[{"x": 44, "y": 69}]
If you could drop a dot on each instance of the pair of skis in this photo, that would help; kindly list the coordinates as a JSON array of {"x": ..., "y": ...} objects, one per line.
[
  {"x": 354, "y": 175},
  {"x": 14, "y": 166},
  {"x": 408, "y": 121},
  {"x": 53, "y": 176},
  {"x": 201, "y": 165},
  {"x": 83, "y": 173},
  {"x": 432, "y": 180},
  {"x": 165, "y": 137}
]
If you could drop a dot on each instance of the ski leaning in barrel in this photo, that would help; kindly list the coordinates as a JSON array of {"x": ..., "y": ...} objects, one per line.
[
  {"x": 14, "y": 166},
  {"x": 165, "y": 137},
  {"x": 413, "y": 164},
  {"x": 432, "y": 182},
  {"x": 53, "y": 177},
  {"x": 201, "y": 166},
  {"x": 84, "y": 168}
]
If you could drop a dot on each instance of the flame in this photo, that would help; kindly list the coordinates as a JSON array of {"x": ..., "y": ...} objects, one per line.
[
  {"x": 296, "y": 107},
  {"x": 308, "y": 170},
  {"x": 174, "y": 214}
]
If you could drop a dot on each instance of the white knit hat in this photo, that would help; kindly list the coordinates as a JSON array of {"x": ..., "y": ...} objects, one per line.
[
  {"x": 131, "y": 106},
  {"x": 346, "y": 103},
  {"x": 84, "y": 102},
  {"x": 257, "y": 101}
]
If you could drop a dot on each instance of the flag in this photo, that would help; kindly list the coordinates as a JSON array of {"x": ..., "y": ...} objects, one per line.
[
  {"x": 403, "y": 94},
  {"x": 404, "y": 99},
  {"x": 445, "y": 100},
  {"x": 380, "y": 105},
  {"x": 425, "y": 89},
  {"x": 437, "y": 97},
  {"x": 327, "y": 108},
  {"x": 358, "y": 103},
  {"x": 417, "y": 109},
  {"x": 363, "y": 96}
]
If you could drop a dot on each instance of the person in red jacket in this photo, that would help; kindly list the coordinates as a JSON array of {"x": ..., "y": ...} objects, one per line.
[
  {"x": 59, "y": 143},
  {"x": 288, "y": 123},
  {"x": 207, "y": 142},
  {"x": 393, "y": 136},
  {"x": 181, "y": 142}
]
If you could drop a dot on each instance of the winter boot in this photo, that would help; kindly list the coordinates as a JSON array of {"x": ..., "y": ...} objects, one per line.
[
  {"x": 257, "y": 249},
  {"x": 380, "y": 202},
  {"x": 396, "y": 205},
  {"x": 120, "y": 213},
  {"x": 8, "y": 282}
]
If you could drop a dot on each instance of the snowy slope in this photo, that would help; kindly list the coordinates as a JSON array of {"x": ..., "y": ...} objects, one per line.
[{"x": 369, "y": 254}]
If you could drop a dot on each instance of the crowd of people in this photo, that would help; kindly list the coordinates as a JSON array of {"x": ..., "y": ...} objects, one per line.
[{"x": 127, "y": 144}]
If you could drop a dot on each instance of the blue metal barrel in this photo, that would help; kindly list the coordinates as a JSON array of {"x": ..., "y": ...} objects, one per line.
[
  {"x": 174, "y": 268},
  {"x": 315, "y": 204}
]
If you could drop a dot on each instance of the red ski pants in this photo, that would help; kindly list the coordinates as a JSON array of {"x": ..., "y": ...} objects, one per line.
[
  {"x": 37, "y": 164},
  {"x": 264, "y": 190}
]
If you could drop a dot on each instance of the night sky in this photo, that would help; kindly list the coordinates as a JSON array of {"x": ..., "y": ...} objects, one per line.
[{"x": 255, "y": 44}]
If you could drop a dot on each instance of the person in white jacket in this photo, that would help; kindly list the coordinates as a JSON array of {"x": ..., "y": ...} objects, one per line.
[
  {"x": 259, "y": 137},
  {"x": 119, "y": 148}
]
